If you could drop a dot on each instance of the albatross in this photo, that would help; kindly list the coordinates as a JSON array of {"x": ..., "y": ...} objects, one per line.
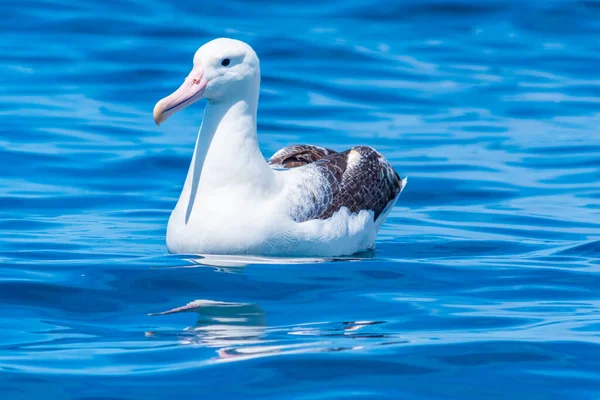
[{"x": 304, "y": 201}]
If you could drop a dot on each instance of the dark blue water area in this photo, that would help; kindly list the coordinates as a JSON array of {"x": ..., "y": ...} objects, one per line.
[{"x": 485, "y": 279}]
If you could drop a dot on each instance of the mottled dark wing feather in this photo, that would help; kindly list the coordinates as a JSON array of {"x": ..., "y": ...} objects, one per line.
[
  {"x": 298, "y": 155},
  {"x": 359, "y": 179},
  {"x": 365, "y": 181}
]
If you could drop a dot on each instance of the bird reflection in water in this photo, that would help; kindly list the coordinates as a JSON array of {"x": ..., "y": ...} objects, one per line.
[
  {"x": 244, "y": 261},
  {"x": 239, "y": 330},
  {"x": 223, "y": 325}
]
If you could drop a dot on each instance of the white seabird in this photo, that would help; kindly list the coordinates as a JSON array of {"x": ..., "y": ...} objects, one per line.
[{"x": 304, "y": 201}]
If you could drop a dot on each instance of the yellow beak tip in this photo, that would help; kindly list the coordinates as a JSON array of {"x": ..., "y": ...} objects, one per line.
[{"x": 158, "y": 115}]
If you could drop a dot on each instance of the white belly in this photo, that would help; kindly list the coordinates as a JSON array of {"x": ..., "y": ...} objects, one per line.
[
  {"x": 223, "y": 223},
  {"x": 245, "y": 220},
  {"x": 240, "y": 227}
]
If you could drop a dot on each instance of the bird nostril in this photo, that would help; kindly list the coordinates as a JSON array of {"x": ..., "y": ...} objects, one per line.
[{"x": 195, "y": 81}]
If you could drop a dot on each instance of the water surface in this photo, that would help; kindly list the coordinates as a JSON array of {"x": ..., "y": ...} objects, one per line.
[{"x": 485, "y": 279}]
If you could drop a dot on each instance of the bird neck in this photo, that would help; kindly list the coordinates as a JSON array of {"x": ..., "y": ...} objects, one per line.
[{"x": 227, "y": 152}]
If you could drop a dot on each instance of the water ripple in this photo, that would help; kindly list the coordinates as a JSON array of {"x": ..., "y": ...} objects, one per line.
[{"x": 490, "y": 259}]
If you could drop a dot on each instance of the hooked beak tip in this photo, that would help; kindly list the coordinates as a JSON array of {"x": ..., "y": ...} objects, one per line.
[{"x": 157, "y": 114}]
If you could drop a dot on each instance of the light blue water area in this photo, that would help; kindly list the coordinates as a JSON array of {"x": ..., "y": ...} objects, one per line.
[{"x": 485, "y": 282}]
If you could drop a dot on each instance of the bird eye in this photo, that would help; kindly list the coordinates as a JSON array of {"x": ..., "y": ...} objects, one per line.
[{"x": 225, "y": 62}]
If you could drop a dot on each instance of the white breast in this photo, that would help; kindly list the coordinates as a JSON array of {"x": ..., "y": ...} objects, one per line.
[{"x": 232, "y": 220}]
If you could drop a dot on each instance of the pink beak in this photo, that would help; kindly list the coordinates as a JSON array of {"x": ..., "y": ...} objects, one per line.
[{"x": 189, "y": 92}]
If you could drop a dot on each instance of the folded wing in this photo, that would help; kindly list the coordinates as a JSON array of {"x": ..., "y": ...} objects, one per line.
[{"x": 358, "y": 179}]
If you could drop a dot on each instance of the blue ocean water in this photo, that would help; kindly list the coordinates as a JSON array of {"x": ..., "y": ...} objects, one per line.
[{"x": 485, "y": 282}]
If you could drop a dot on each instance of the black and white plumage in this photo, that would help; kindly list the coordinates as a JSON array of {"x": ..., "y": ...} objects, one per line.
[
  {"x": 358, "y": 179},
  {"x": 297, "y": 155},
  {"x": 305, "y": 201}
]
